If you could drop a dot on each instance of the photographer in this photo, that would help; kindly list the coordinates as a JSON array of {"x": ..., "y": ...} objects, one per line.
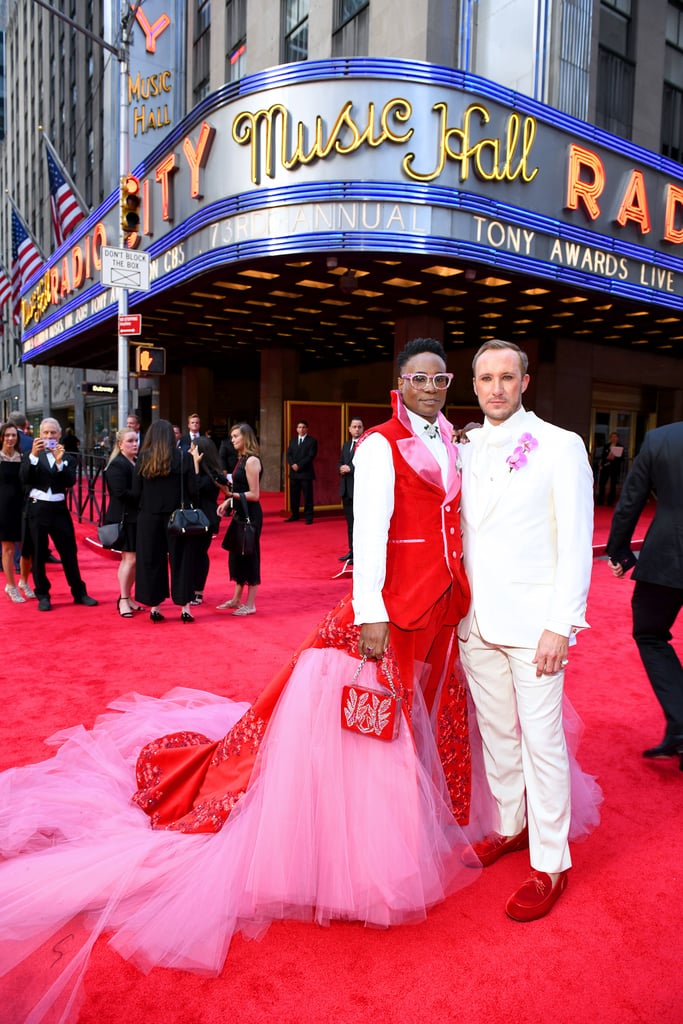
[{"x": 46, "y": 473}]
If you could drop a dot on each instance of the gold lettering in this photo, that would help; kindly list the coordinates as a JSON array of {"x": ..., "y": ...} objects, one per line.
[
  {"x": 138, "y": 120},
  {"x": 244, "y": 132},
  {"x": 489, "y": 158},
  {"x": 140, "y": 88},
  {"x": 344, "y": 137}
]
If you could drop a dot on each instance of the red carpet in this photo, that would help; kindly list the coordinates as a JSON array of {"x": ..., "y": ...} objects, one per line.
[{"x": 608, "y": 953}]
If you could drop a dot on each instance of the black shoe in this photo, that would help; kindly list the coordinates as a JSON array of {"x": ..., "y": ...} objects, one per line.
[
  {"x": 345, "y": 558},
  {"x": 186, "y": 617},
  {"x": 669, "y": 747},
  {"x": 309, "y": 522},
  {"x": 156, "y": 617},
  {"x": 87, "y": 600},
  {"x": 44, "y": 604},
  {"x": 53, "y": 560},
  {"x": 292, "y": 519},
  {"x": 124, "y": 615}
]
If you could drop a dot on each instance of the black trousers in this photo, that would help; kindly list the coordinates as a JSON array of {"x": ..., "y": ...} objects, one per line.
[
  {"x": 655, "y": 609},
  {"x": 348, "y": 512},
  {"x": 297, "y": 488},
  {"x": 52, "y": 519}
]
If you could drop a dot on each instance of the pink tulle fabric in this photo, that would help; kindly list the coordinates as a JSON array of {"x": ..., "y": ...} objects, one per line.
[{"x": 334, "y": 825}]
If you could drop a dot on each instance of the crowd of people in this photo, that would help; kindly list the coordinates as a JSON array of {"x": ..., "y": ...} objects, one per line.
[
  {"x": 147, "y": 479},
  {"x": 472, "y": 564}
]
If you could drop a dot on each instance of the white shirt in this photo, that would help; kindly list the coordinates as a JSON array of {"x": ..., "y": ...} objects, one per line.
[{"x": 47, "y": 495}]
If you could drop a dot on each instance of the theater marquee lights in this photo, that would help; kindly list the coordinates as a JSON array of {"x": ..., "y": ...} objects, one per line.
[{"x": 387, "y": 156}]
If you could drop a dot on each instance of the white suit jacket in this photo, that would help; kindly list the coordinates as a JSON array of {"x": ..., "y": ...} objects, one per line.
[{"x": 528, "y": 536}]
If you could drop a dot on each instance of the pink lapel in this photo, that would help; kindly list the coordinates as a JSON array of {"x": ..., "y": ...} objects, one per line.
[{"x": 418, "y": 455}]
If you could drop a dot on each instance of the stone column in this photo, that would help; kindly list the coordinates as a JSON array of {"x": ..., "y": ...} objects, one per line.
[{"x": 279, "y": 374}]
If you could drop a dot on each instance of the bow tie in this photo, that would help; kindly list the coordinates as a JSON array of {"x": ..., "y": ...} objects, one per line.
[{"x": 431, "y": 430}]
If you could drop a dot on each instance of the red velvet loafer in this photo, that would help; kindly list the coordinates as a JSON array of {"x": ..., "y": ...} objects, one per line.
[
  {"x": 536, "y": 897},
  {"x": 493, "y": 847}
]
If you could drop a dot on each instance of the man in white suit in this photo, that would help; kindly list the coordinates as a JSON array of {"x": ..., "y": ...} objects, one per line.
[{"x": 527, "y": 517}]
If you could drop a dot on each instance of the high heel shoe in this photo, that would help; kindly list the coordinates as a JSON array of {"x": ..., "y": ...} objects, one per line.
[
  {"x": 124, "y": 615},
  {"x": 186, "y": 617},
  {"x": 157, "y": 617}
]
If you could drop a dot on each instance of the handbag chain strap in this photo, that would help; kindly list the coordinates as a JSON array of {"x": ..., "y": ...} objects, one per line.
[
  {"x": 384, "y": 665},
  {"x": 182, "y": 477},
  {"x": 245, "y": 507}
]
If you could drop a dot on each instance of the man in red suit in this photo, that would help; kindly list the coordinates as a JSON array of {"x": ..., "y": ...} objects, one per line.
[{"x": 409, "y": 587}]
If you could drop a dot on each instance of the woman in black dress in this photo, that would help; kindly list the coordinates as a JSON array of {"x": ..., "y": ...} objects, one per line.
[
  {"x": 211, "y": 481},
  {"x": 11, "y": 511},
  {"x": 245, "y": 570},
  {"x": 123, "y": 508},
  {"x": 157, "y": 486}
]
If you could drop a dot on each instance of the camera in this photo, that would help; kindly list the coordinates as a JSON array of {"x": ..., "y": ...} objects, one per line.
[{"x": 49, "y": 444}]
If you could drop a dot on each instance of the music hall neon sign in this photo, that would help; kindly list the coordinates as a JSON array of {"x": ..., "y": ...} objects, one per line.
[{"x": 465, "y": 146}]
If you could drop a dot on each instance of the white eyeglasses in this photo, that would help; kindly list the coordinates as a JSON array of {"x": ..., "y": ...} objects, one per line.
[{"x": 420, "y": 381}]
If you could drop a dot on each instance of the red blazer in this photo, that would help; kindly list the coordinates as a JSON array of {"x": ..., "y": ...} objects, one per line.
[{"x": 424, "y": 551}]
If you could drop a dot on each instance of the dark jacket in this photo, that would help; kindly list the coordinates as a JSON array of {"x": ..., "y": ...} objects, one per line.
[
  {"x": 346, "y": 479},
  {"x": 302, "y": 455},
  {"x": 657, "y": 468},
  {"x": 119, "y": 476},
  {"x": 44, "y": 477}
]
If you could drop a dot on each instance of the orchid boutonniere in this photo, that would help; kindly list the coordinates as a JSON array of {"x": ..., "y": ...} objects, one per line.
[{"x": 518, "y": 459}]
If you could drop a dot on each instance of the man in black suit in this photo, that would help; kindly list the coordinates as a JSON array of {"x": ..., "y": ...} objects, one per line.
[
  {"x": 658, "y": 593},
  {"x": 345, "y": 467},
  {"x": 23, "y": 429},
  {"x": 46, "y": 473},
  {"x": 133, "y": 423},
  {"x": 301, "y": 453},
  {"x": 194, "y": 432}
]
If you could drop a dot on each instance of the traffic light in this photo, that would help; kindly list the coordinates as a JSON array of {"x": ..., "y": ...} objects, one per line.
[
  {"x": 130, "y": 205},
  {"x": 150, "y": 360}
]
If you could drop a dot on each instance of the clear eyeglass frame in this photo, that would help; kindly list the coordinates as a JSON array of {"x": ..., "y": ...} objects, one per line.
[{"x": 420, "y": 381}]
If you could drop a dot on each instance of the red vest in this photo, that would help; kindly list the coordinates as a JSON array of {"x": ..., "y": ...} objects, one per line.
[{"x": 424, "y": 550}]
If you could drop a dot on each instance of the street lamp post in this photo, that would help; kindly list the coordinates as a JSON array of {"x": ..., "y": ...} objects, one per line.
[
  {"x": 121, "y": 54},
  {"x": 122, "y": 345}
]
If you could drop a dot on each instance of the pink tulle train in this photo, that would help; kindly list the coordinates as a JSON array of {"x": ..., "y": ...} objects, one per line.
[{"x": 334, "y": 826}]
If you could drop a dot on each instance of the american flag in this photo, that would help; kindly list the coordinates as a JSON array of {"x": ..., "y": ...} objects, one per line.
[
  {"x": 26, "y": 260},
  {"x": 5, "y": 288},
  {"x": 66, "y": 213}
]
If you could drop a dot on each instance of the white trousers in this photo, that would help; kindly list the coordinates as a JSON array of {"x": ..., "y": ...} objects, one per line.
[{"x": 525, "y": 753}]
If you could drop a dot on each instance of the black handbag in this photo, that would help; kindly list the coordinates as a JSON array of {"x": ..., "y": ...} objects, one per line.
[
  {"x": 110, "y": 534},
  {"x": 241, "y": 536},
  {"x": 187, "y": 521}
]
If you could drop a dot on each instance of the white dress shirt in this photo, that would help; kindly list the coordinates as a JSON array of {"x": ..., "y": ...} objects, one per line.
[{"x": 47, "y": 495}]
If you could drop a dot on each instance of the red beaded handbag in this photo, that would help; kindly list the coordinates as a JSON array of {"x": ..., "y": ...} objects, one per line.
[{"x": 375, "y": 713}]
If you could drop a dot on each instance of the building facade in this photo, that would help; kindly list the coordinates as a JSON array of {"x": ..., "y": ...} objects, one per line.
[{"x": 349, "y": 174}]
